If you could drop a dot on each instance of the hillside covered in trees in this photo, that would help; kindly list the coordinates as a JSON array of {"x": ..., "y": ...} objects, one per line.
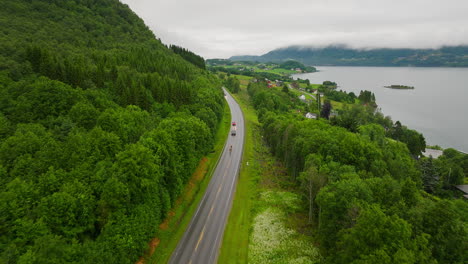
[
  {"x": 339, "y": 55},
  {"x": 368, "y": 197},
  {"x": 101, "y": 125}
]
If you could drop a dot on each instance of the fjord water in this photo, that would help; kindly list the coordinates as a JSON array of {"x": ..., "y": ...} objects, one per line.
[{"x": 437, "y": 107}]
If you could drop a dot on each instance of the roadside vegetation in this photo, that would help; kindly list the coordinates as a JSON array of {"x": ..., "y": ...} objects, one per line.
[
  {"x": 101, "y": 128},
  {"x": 273, "y": 238},
  {"x": 353, "y": 186},
  {"x": 172, "y": 229},
  {"x": 107, "y": 135},
  {"x": 234, "y": 248},
  {"x": 272, "y": 71},
  {"x": 256, "y": 220}
]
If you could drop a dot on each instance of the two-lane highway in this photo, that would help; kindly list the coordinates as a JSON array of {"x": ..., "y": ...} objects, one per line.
[{"x": 201, "y": 241}]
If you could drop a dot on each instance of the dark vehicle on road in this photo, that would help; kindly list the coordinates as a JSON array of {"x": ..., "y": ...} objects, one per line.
[{"x": 233, "y": 132}]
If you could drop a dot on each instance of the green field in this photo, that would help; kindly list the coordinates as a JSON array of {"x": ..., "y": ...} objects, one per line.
[
  {"x": 335, "y": 105},
  {"x": 299, "y": 93},
  {"x": 279, "y": 71},
  {"x": 271, "y": 69}
]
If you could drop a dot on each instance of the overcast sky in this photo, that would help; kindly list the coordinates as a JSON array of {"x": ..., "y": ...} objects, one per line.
[{"x": 221, "y": 28}]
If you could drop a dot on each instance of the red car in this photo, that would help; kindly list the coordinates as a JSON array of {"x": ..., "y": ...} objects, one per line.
[{"x": 233, "y": 123}]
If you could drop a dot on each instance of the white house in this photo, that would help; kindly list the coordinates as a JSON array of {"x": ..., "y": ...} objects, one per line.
[
  {"x": 302, "y": 98},
  {"x": 311, "y": 116}
]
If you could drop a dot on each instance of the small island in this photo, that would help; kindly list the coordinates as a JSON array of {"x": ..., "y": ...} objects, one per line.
[{"x": 398, "y": 86}]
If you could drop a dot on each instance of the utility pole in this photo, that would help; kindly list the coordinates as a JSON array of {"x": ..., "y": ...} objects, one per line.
[{"x": 319, "y": 104}]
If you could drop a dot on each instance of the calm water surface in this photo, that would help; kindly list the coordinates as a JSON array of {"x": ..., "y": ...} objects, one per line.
[{"x": 437, "y": 107}]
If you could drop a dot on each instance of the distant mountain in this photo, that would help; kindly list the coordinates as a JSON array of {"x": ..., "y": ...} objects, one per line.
[{"x": 456, "y": 56}]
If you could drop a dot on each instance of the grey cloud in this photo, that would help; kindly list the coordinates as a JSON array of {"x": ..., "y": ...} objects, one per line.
[{"x": 220, "y": 28}]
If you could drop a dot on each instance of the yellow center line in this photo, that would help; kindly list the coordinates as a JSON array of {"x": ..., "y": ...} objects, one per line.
[
  {"x": 225, "y": 172},
  {"x": 211, "y": 210},
  {"x": 228, "y": 165},
  {"x": 219, "y": 189},
  {"x": 200, "y": 239},
  {"x": 227, "y": 168}
]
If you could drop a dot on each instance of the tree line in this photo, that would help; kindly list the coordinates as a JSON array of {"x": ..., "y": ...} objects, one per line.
[
  {"x": 101, "y": 126},
  {"x": 365, "y": 191},
  {"x": 257, "y": 75},
  {"x": 189, "y": 56}
]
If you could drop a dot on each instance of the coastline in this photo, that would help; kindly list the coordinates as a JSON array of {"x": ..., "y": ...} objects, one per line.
[{"x": 424, "y": 109}]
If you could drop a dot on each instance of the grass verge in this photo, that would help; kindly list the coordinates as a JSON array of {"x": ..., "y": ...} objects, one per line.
[
  {"x": 244, "y": 238},
  {"x": 174, "y": 226},
  {"x": 235, "y": 244}
]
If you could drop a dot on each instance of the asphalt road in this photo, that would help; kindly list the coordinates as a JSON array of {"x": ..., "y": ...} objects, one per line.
[{"x": 202, "y": 239}]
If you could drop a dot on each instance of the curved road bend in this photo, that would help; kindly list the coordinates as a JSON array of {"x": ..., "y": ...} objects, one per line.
[{"x": 201, "y": 241}]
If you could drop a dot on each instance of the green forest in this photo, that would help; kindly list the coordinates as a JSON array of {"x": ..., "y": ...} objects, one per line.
[
  {"x": 368, "y": 194},
  {"x": 292, "y": 64},
  {"x": 101, "y": 125},
  {"x": 269, "y": 70}
]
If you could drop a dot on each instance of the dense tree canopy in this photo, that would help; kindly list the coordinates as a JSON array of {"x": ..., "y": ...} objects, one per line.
[
  {"x": 364, "y": 187},
  {"x": 101, "y": 126},
  {"x": 189, "y": 56},
  {"x": 292, "y": 64},
  {"x": 232, "y": 84}
]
